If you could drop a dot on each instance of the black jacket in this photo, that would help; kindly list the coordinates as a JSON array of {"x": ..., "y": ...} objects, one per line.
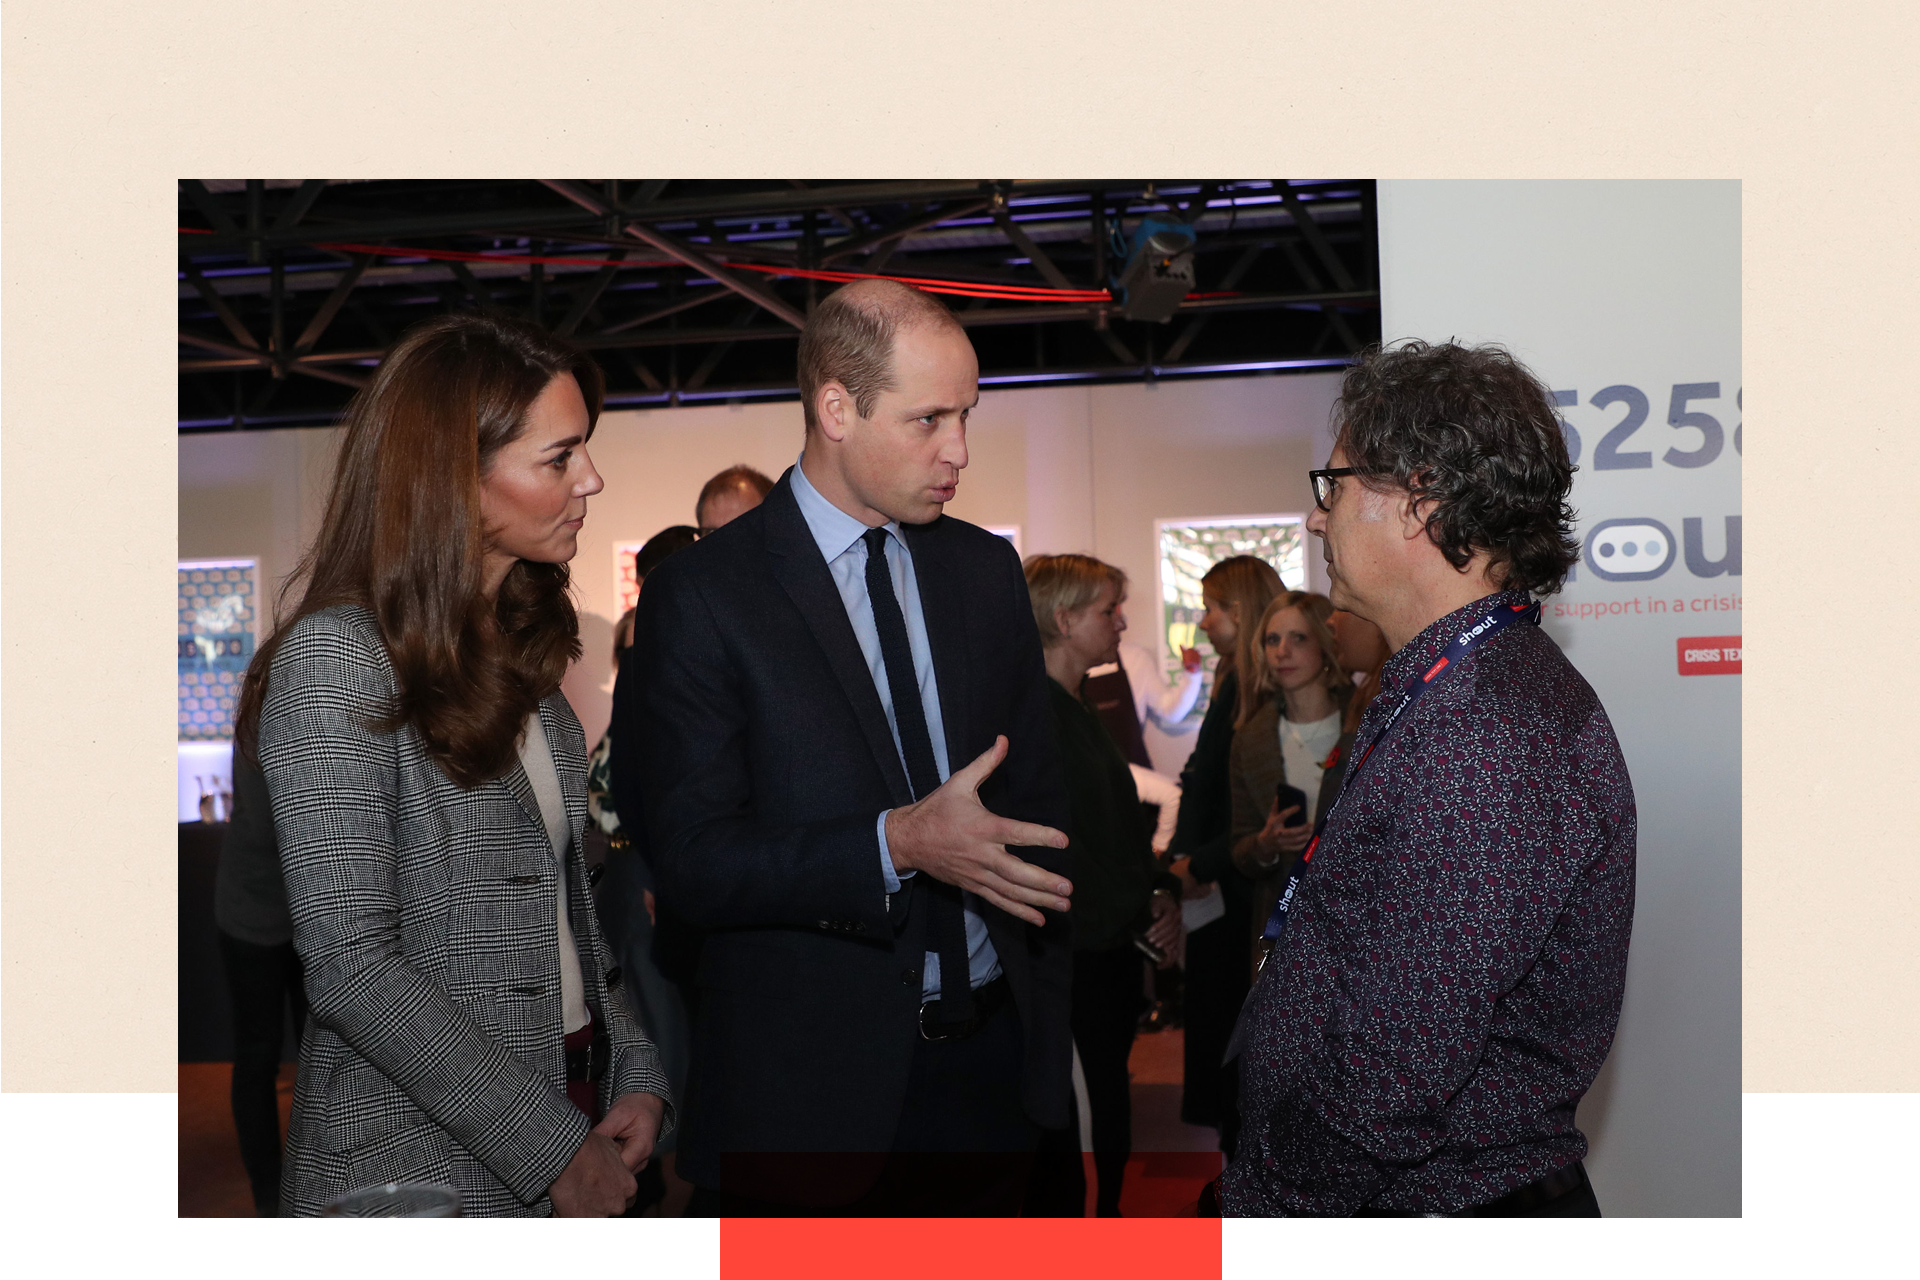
[
  {"x": 764, "y": 762},
  {"x": 1114, "y": 872}
]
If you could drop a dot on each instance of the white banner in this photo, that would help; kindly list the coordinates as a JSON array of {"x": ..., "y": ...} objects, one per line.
[{"x": 1625, "y": 298}]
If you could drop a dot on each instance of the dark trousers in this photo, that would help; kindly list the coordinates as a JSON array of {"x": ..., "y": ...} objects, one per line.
[
  {"x": 963, "y": 1147},
  {"x": 1107, "y": 998},
  {"x": 262, "y": 983},
  {"x": 1216, "y": 987}
]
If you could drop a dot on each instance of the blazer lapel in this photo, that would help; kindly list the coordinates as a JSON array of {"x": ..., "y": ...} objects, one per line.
[
  {"x": 946, "y": 636},
  {"x": 802, "y": 572},
  {"x": 522, "y": 789},
  {"x": 565, "y": 740}
]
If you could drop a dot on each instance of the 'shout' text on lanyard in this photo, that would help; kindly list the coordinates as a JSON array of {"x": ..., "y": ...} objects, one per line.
[{"x": 1496, "y": 621}]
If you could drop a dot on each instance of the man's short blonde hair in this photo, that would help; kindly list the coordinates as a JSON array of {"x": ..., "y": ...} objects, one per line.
[
  {"x": 1069, "y": 582},
  {"x": 849, "y": 340}
]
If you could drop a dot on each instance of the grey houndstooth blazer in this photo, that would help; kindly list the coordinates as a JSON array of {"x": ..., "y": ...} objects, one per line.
[{"x": 424, "y": 917}]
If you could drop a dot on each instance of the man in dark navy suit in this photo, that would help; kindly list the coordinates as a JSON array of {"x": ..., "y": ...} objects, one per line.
[{"x": 835, "y": 716}]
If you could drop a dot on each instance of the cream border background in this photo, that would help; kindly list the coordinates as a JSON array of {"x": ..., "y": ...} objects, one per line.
[{"x": 106, "y": 106}]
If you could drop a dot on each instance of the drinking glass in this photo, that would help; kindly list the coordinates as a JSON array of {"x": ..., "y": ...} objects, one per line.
[{"x": 397, "y": 1200}]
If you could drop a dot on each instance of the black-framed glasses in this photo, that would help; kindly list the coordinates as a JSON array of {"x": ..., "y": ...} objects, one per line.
[{"x": 1323, "y": 483}]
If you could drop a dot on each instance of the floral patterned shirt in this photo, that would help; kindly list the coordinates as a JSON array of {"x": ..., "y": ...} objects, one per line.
[{"x": 1450, "y": 979}]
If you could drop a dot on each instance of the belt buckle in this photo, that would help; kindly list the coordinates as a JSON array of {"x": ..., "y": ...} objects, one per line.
[
  {"x": 949, "y": 1030},
  {"x": 599, "y": 1056}
]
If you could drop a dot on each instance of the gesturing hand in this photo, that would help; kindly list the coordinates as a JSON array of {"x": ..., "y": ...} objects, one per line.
[{"x": 955, "y": 839}]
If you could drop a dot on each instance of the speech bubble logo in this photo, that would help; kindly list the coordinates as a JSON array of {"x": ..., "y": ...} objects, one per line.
[{"x": 1629, "y": 550}]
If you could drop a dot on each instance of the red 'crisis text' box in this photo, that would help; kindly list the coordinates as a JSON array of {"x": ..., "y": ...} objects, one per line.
[{"x": 1710, "y": 655}]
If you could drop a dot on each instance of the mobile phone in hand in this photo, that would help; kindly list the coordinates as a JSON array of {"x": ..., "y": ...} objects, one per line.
[{"x": 1289, "y": 797}]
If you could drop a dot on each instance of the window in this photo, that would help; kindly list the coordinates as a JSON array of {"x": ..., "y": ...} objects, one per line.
[
  {"x": 218, "y": 620},
  {"x": 1188, "y": 548}
]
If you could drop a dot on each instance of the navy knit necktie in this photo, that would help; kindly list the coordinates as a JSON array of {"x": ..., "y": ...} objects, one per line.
[{"x": 948, "y": 929}]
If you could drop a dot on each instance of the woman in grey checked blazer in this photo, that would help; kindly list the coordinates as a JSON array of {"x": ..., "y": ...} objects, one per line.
[{"x": 428, "y": 785}]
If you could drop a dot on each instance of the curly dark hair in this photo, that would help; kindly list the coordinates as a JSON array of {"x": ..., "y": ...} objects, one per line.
[{"x": 1471, "y": 430}]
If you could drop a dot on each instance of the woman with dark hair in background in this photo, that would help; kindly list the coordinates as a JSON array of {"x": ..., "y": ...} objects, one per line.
[
  {"x": 1120, "y": 893},
  {"x": 428, "y": 785},
  {"x": 1296, "y": 736},
  {"x": 1235, "y": 592}
]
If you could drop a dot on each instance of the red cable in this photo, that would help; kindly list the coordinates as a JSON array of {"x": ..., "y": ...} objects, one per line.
[{"x": 956, "y": 288}]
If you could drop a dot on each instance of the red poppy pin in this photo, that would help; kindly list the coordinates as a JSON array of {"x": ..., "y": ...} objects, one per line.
[{"x": 1333, "y": 758}]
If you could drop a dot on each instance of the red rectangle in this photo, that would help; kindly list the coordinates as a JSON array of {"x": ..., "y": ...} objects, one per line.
[
  {"x": 968, "y": 1249},
  {"x": 1709, "y": 655}
]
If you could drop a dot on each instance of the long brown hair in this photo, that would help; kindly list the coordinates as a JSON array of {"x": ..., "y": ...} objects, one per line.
[
  {"x": 403, "y": 538},
  {"x": 1316, "y": 609},
  {"x": 1244, "y": 584}
]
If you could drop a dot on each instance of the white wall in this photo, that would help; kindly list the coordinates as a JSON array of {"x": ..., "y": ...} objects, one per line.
[
  {"x": 1077, "y": 468},
  {"x": 1598, "y": 284}
]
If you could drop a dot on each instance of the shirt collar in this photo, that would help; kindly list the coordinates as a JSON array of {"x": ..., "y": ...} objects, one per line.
[
  {"x": 833, "y": 529},
  {"x": 1420, "y": 652}
]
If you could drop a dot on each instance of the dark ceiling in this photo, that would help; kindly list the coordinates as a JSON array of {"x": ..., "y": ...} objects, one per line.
[{"x": 290, "y": 290}]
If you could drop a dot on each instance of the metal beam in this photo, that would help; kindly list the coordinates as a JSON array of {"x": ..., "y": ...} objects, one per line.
[
  {"x": 777, "y": 201},
  {"x": 1240, "y": 267},
  {"x": 310, "y": 336},
  {"x": 202, "y": 199},
  {"x": 647, "y": 379},
  {"x": 1024, "y": 243},
  {"x": 700, "y": 298},
  {"x": 298, "y": 207},
  {"x": 1311, "y": 231},
  {"x": 719, "y": 352},
  {"x": 588, "y": 295},
  {"x": 470, "y": 283},
  {"x": 240, "y": 357},
  {"x": 894, "y": 233},
  {"x": 220, "y": 307},
  {"x": 676, "y": 248},
  {"x": 1335, "y": 320}
]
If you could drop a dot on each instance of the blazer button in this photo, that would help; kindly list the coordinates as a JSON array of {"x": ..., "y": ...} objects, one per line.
[{"x": 907, "y": 976}]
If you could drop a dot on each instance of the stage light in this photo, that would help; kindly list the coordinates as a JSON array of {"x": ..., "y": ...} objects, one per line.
[{"x": 1157, "y": 270}]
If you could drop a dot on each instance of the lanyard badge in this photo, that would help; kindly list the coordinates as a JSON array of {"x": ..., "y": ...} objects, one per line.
[{"x": 1496, "y": 620}]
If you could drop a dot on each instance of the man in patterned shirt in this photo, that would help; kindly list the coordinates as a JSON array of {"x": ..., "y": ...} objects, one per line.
[{"x": 1447, "y": 980}]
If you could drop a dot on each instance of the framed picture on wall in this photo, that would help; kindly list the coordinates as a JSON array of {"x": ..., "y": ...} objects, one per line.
[
  {"x": 218, "y": 624},
  {"x": 626, "y": 588}
]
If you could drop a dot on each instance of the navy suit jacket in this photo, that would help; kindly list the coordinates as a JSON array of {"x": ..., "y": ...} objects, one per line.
[{"x": 751, "y": 725}]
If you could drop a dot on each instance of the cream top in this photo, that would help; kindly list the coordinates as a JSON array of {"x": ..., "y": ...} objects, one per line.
[{"x": 536, "y": 757}]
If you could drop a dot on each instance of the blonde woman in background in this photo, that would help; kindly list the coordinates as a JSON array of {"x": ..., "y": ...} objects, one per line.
[{"x": 1296, "y": 735}]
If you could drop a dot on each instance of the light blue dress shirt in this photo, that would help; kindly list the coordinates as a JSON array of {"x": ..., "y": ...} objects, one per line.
[{"x": 839, "y": 537}]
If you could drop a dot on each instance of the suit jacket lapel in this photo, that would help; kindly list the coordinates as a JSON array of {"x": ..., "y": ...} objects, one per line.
[
  {"x": 946, "y": 636},
  {"x": 802, "y": 571}
]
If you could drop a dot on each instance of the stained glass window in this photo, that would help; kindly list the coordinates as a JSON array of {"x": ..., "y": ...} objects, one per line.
[{"x": 1188, "y": 548}]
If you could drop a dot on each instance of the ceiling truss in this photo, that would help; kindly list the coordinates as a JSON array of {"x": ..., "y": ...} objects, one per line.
[{"x": 291, "y": 291}]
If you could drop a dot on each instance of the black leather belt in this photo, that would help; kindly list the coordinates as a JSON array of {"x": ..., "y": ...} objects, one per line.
[
  {"x": 591, "y": 1062},
  {"x": 1535, "y": 1195},
  {"x": 987, "y": 1000}
]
